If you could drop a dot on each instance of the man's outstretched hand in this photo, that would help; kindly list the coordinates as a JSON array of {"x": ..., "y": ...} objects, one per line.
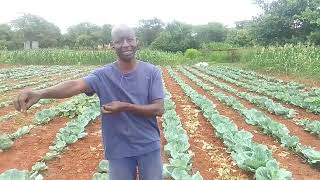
[
  {"x": 115, "y": 107},
  {"x": 25, "y": 99}
]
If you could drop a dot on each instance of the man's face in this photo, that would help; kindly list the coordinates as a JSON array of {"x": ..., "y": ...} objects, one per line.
[{"x": 125, "y": 45}]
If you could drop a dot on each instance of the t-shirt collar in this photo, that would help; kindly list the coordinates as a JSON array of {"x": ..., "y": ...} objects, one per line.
[{"x": 114, "y": 65}]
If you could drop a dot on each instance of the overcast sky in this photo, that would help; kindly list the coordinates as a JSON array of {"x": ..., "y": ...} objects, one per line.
[{"x": 64, "y": 13}]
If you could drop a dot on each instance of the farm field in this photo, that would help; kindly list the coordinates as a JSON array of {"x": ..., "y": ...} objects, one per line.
[{"x": 220, "y": 123}]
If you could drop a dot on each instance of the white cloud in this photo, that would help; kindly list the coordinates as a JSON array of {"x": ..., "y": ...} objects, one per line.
[{"x": 64, "y": 13}]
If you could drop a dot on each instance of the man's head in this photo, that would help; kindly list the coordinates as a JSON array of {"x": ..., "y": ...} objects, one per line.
[{"x": 124, "y": 42}]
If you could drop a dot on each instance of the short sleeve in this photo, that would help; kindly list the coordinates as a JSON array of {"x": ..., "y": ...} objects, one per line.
[
  {"x": 157, "y": 91},
  {"x": 92, "y": 80}
]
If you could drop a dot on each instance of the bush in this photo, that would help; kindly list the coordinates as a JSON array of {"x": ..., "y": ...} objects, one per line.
[
  {"x": 192, "y": 53},
  {"x": 216, "y": 46},
  {"x": 315, "y": 38}
]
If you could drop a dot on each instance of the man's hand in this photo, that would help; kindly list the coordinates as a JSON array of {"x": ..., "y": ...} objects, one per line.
[
  {"x": 25, "y": 99},
  {"x": 156, "y": 108},
  {"x": 114, "y": 107}
]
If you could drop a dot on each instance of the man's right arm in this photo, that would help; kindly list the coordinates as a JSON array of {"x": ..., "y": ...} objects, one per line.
[
  {"x": 64, "y": 90},
  {"x": 27, "y": 97}
]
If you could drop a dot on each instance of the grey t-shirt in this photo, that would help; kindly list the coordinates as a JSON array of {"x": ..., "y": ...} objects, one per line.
[{"x": 126, "y": 134}]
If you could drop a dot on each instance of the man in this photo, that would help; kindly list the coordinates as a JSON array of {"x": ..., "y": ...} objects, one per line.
[{"x": 131, "y": 96}]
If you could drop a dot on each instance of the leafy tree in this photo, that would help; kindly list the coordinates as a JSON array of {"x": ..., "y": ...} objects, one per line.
[
  {"x": 314, "y": 37},
  {"x": 9, "y": 39},
  {"x": 84, "y": 35},
  {"x": 176, "y": 37},
  {"x": 5, "y": 36},
  {"x": 36, "y": 28},
  {"x": 5, "y": 32},
  {"x": 312, "y": 13},
  {"x": 240, "y": 37},
  {"x": 286, "y": 21},
  {"x": 212, "y": 32},
  {"x": 106, "y": 34},
  {"x": 148, "y": 30}
]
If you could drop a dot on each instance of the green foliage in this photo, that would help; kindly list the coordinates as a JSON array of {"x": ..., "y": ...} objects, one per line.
[
  {"x": 102, "y": 171},
  {"x": 219, "y": 56},
  {"x": 14, "y": 174},
  {"x": 86, "y": 57},
  {"x": 217, "y": 46},
  {"x": 252, "y": 159},
  {"x": 176, "y": 37},
  {"x": 288, "y": 59},
  {"x": 21, "y": 131},
  {"x": 289, "y": 92},
  {"x": 9, "y": 39},
  {"x": 247, "y": 154},
  {"x": 177, "y": 146},
  {"x": 103, "y": 166},
  {"x": 311, "y": 126},
  {"x": 87, "y": 36},
  {"x": 272, "y": 171},
  {"x": 312, "y": 14},
  {"x": 105, "y": 34},
  {"x": 36, "y": 28},
  {"x": 39, "y": 166},
  {"x": 240, "y": 37},
  {"x": 192, "y": 53},
  {"x": 57, "y": 56},
  {"x": 100, "y": 176},
  {"x": 312, "y": 155},
  {"x": 5, "y": 142},
  {"x": 314, "y": 37},
  {"x": 258, "y": 118},
  {"x": 161, "y": 57},
  {"x": 286, "y": 21},
  {"x": 148, "y": 30},
  {"x": 44, "y": 116},
  {"x": 211, "y": 32},
  {"x": 220, "y": 52},
  {"x": 75, "y": 128}
]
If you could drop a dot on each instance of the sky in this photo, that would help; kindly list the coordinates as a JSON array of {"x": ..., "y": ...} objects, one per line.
[{"x": 65, "y": 13}]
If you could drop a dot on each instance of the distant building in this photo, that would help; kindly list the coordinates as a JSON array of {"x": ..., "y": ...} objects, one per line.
[
  {"x": 31, "y": 45},
  {"x": 105, "y": 46}
]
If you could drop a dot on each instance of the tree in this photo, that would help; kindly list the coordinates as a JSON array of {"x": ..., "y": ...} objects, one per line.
[
  {"x": 243, "y": 24},
  {"x": 176, "y": 37},
  {"x": 314, "y": 37},
  {"x": 240, "y": 37},
  {"x": 148, "y": 30},
  {"x": 106, "y": 34},
  {"x": 5, "y": 36},
  {"x": 5, "y": 32},
  {"x": 35, "y": 28},
  {"x": 9, "y": 39},
  {"x": 212, "y": 32},
  {"x": 84, "y": 35},
  {"x": 286, "y": 21}
]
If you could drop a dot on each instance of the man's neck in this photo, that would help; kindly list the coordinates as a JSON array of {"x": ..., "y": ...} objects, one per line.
[{"x": 127, "y": 67}]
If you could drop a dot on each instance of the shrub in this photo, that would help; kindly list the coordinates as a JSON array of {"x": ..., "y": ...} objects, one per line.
[{"x": 192, "y": 53}]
